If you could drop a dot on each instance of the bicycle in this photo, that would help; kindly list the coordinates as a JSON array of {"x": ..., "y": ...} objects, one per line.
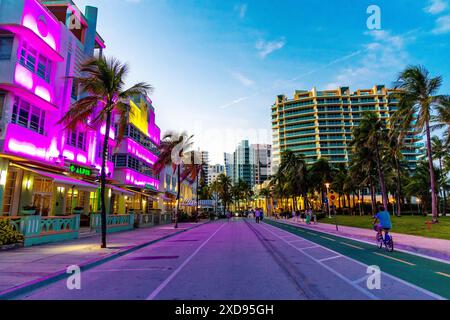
[{"x": 388, "y": 241}]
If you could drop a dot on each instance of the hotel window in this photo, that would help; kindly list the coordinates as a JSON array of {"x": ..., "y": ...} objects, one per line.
[
  {"x": 6, "y": 44},
  {"x": 28, "y": 57},
  {"x": 35, "y": 62},
  {"x": 44, "y": 68},
  {"x": 28, "y": 116},
  {"x": 76, "y": 139}
]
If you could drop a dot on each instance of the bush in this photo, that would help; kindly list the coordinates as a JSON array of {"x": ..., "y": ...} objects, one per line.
[{"x": 8, "y": 235}]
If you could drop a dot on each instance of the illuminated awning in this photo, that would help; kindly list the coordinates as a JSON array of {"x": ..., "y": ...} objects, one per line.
[
  {"x": 63, "y": 179},
  {"x": 120, "y": 191}
]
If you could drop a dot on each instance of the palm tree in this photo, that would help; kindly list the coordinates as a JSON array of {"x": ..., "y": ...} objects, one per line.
[
  {"x": 419, "y": 185},
  {"x": 418, "y": 100},
  {"x": 320, "y": 173},
  {"x": 172, "y": 150},
  {"x": 266, "y": 194},
  {"x": 195, "y": 172},
  {"x": 103, "y": 80},
  {"x": 363, "y": 170},
  {"x": 440, "y": 152},
  {"x": 372, "y": 134},
  {"x": 442, "y": 118},
  {"x": 224, "y": 186}
]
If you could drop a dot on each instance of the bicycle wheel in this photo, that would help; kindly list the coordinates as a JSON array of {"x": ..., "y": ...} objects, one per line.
[
  {"x": 390, "y": 245},
  {"x": 379, "y": 241}
]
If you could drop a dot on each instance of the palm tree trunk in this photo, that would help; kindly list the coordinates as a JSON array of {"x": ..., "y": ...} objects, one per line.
[
  {"x": 381, "y": 176},
  {"x": 444, "y": 197},
  {"x": 373, "y": 197},
  {"x": 196, "y": 198},
  {"x": 177, "y": 208},
  {"x": 103, "y": 178},
  {"x": 399, "y": 189},
  {"x": 434, "y": 210}
]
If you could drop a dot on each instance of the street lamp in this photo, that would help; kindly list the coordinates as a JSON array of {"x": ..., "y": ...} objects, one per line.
[{"x": 327, "y": 185}]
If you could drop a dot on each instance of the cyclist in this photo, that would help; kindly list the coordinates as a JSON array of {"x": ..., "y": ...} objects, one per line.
[{"x": 384, "y": 219}]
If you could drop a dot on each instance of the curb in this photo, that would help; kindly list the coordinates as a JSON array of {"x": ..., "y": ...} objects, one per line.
[{"x": 32, "y": 285}]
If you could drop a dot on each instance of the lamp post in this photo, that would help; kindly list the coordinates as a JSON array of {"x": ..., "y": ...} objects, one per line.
[{"x": 327, "y": 185}]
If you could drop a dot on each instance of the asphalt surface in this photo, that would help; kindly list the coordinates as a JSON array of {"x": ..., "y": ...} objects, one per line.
[{"x": 237, "y": 260}]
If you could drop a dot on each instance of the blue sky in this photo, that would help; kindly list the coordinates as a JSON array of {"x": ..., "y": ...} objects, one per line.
[{"x": 217, "y": 65}]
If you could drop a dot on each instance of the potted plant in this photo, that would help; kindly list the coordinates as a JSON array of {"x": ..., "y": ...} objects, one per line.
[{"x": 28, "y": 210}]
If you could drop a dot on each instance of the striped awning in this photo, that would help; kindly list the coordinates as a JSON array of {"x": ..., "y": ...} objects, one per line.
[{"x": 201, "y": 203}]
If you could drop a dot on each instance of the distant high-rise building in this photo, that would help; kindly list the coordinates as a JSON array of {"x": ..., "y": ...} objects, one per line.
[
  {"x": 261, "y": 157},
  {"x": 228, "y": 160},
  {"x": 214, "y": 171},
  {"x": 205, "y": 161},
  {"x": 319, "y": 124},
  {"x": 243, "y": 168}
]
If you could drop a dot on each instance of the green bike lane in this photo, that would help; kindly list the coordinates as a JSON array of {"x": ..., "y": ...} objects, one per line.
[{"x": 429, "y": 274}]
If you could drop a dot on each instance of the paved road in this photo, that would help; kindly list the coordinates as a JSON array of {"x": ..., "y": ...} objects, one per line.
[{"x": 233, "y": 261}]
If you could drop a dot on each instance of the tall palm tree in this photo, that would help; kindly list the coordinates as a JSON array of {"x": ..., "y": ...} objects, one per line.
[
  {"x": 440, "y": 152},
  {"x": 172, "y": 151},
  {"x": 363, "y": 169},
  {"x": 372, "y": 133},
  {"x": 418, "y": 100},
  {"x": 320, "y": 173},
  {"x": 266, "y": 194},
  {"x": 195, "y": 172},
  {"x": 442, "y": 118},
  {"x": 103, "y": 80},
  {"x": 224, "y": 186}
]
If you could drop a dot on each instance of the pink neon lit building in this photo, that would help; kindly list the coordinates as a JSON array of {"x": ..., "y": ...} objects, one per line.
[{"x": 41, "y": 44}]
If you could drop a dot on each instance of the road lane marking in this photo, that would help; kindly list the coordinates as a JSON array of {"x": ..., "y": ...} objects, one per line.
[
  {"x": 351, "y": 245},
  {"x": 277, "y": 226},
  {"x": 313, "y": 234},
  {"x": 395, "y": 259},
  {"x": 339, "y": 275},
  {"x": 307, "y": 248},
  {"x": 328, "y": 238},
  {"x": 360, "y": 280},
  {"x": 173, "y": 275},
  {"x": 299, "y": 240},
  {"x": 443, "y": 274},
  {"x": 330, "y": 258}
]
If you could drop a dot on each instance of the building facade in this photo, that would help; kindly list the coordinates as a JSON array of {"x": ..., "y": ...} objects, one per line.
[
  {"x": 134, "y": 159},
  {"x": 214, "y": 171},
  {"x": 228, "y": 160},
  {"x": 319, "y": 124},
  {"x": 243, "y": 168},
  {"x": 261, "y": 155},
  {"x": 43, "y": 166}
]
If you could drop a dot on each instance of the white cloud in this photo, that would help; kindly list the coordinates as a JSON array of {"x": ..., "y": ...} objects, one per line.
[
  {"x": 436, "y": 6},
  {"x": 381, "y": 59},
  {"x": 241, "y": 9},
  {"x": 442, "y": 25},
  {"x": 267, "y": 47},
  {"x": 242, "y": 79}
]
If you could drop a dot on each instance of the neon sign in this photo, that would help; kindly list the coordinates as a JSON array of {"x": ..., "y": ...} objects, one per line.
[{"x": 80, "y": 170}]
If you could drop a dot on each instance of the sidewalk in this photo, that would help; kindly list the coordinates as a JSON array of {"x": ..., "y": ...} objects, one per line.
[
  {"x": 27, "y": 266},
  {"x": 435, "y": 248}
]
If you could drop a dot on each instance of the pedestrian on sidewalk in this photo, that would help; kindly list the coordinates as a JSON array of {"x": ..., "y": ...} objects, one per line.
[
  {"x": 297, "y": 216},
  {"x": 257, "y": 215}
]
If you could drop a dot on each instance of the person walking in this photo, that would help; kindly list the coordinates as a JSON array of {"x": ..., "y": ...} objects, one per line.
[{"x": 257, "y": 215}]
